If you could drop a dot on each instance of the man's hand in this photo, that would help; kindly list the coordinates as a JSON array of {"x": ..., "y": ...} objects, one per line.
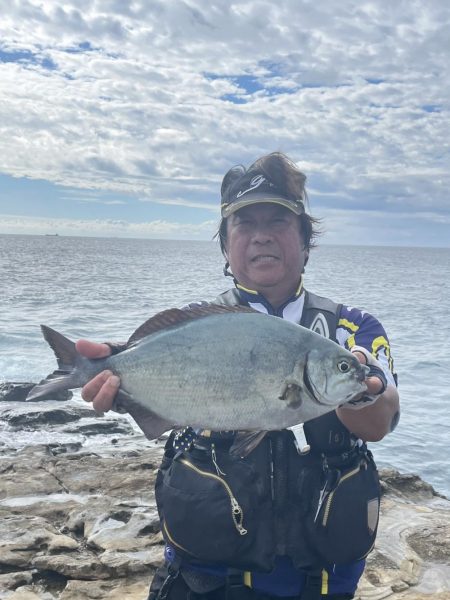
[
  {"x": 377, "y": 416},
  {"x": 376, "y": 381},
  {"x": 102, "y": 389}
]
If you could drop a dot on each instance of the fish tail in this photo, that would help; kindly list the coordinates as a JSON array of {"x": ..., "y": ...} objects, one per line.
[{"x": 65, "y": 377}]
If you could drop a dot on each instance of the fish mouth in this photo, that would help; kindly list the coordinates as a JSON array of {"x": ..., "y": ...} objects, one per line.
[{"x": 309, "y": 385}]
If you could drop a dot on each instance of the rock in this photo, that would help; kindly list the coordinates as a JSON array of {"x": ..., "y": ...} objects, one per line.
[
  {"x": 13, "y": 580},
  {"x": 406, "y": 485},
  {"x": 73, "y": 565},
  {"x": 25, "y": 537},
  {"x": 30, "y": 417},
  {"x": 411, "y": 559},
  {"x": 114, "y": 589},
  {"x": 99, "y": 426},
  {"x": 431, "y": 543},
  {"x": 80, "y": 525},
  {"x": 124, "y": 531},
  {"x": 17, "y": 392},
  {"x": 24, "y": 476}
]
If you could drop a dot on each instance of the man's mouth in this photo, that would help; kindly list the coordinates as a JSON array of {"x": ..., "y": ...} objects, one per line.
[{"x": 264, "y": 258}]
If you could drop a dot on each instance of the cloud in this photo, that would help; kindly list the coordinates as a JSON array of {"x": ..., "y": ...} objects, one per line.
[
  {"x": 14, "y": 224},
  {"x": 158, "y": 100}
]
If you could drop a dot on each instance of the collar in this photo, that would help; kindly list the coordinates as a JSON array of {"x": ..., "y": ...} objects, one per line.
[{"x": 290, "y": 310}]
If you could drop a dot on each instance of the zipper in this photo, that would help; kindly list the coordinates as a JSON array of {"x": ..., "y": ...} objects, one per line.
[
  {"x": 330, "y": 497},
  {"x": 236, "y": 511},
  {"x": 171, "y": 540},
  {"x": 272, "y": 471}
]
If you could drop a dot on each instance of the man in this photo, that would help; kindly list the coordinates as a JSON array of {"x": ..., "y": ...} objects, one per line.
[{"x": 314, "y": 506}]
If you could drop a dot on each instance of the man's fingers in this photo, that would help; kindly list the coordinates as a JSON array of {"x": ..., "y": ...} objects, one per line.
[
  {"x": 103, "y": 401},
  {"x": 374, "y": 385},
  {"x": 360, "y": 356},
  {"x": 101, "y": 390},
  {"x": 92, "y": 349},
  {"x": 92, "y": 387}
]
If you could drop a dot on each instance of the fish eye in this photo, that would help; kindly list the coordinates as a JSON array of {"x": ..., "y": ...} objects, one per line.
[{"x": 343, "y": 366}]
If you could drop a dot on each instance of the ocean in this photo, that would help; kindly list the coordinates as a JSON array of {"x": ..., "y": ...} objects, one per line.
[{"x": 103, "y": 288}]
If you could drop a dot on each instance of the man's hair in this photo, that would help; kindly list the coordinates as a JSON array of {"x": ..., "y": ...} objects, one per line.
[{"x": 284, "y": 174}]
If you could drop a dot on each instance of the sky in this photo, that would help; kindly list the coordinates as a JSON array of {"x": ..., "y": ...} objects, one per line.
[{"x": 121, "y": 118}]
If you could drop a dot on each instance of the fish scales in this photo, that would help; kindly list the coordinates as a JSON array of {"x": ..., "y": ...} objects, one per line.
[{"x": 222, "y": 371}]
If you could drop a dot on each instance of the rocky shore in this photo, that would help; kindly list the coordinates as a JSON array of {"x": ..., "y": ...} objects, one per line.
[{"x": 78, "y": 516}]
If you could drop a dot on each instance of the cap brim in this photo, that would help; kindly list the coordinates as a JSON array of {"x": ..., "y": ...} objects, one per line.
[{"x": 228, "y": 209}]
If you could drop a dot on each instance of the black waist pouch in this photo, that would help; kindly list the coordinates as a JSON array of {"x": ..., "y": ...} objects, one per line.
[
  {"x": 214, "y": 510},
  {"x": 342, "y": 520}
]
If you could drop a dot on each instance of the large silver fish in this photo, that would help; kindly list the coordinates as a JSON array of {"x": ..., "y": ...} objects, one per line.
[{"x": 218, "y": 368}]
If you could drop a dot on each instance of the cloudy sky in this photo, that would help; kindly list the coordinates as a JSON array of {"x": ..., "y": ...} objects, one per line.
[{"x": 120, "y": 118}]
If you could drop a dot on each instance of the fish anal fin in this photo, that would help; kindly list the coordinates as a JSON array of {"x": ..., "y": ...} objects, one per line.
[
  {"x": 245, "y": 442},
  {"x": 151, "y": 424},
  {"x": 174, "y": 316}
]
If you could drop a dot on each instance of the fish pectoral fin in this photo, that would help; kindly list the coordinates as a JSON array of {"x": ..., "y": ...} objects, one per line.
[
  {"x": 291, "y": 394},
  {"x": 244, "y": 442}
]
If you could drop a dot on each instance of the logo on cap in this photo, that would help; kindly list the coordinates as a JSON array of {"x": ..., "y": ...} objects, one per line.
[{"x": 255, "y": 182}]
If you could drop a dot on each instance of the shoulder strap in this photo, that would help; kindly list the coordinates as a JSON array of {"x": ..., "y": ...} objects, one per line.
[
  {"x": 229, "y": 298},
  {"x": 321, "y": 315}
]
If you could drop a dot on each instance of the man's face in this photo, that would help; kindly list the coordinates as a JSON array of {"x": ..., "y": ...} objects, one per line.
[{"x": 265, "y": 250}]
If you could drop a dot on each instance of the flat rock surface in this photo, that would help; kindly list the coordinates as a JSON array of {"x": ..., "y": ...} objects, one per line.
[{"x": 79, "y": 519}]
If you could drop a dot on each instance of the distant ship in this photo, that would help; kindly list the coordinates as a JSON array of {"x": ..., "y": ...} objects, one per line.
[{"x": 51, "y": 234}]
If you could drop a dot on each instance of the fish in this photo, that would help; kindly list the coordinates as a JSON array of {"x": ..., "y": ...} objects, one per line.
[{"x": 218, "y": 368}]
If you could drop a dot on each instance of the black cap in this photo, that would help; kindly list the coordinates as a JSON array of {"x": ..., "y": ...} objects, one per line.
[{"x": 253, "y": 187}]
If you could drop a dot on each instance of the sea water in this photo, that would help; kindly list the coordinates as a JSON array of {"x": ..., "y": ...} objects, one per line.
[{"x": 103, "y": 288}]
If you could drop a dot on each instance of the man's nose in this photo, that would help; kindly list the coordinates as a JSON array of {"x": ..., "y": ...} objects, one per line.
[{"x": 262, "y": 233}]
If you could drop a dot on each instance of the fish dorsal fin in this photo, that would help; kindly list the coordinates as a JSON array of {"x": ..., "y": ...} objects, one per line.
[{"x": 175, "y": 316}]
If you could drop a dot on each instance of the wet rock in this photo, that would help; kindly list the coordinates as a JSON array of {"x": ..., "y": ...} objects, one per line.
[
  {"x": 99, "y": 426},
  {"x": 14, "y": 391},
  {"x": 407, "y": 485},
  {"x": 30, "y": 417},
  {"x": 56, "y": 449}
]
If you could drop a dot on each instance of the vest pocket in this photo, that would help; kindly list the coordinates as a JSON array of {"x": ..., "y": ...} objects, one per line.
[
  {"x": 211, "y": 513},
  {"x": 342, "y": 524}
]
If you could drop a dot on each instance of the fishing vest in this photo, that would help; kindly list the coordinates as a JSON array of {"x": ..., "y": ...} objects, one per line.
[{"x": 318, "y": 505}]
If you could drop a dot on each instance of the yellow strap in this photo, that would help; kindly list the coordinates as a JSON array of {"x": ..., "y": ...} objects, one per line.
[
  {"x": 324, "y": 582},
  {"x": 248, "y": 578}
]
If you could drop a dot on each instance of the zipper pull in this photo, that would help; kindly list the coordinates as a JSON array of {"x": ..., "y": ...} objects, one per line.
[
  {"x": 332, "y": 479},
  {"x": 214, "y": 459},
  {"x": 323, "y": 494},
  {"x": 237, "y": 516}
]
